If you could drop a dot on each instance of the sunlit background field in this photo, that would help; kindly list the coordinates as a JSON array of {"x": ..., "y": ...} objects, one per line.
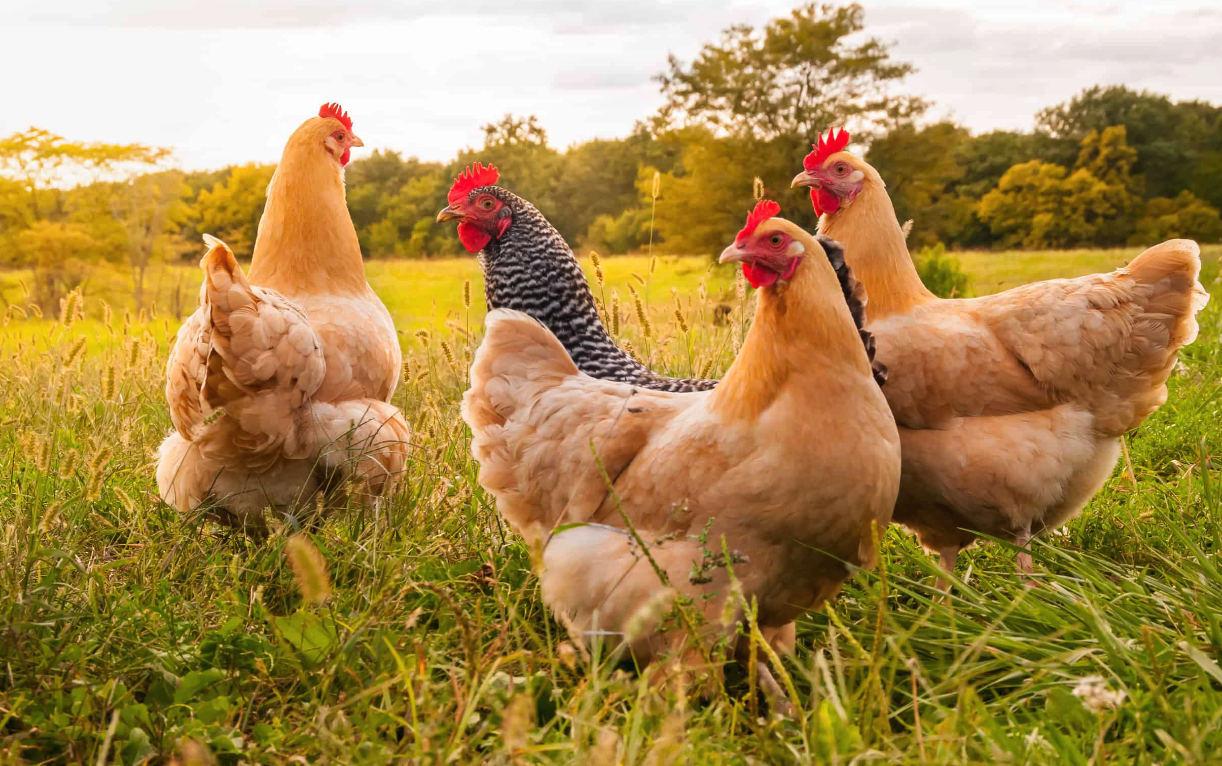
[{"x": 129, "y": 632}]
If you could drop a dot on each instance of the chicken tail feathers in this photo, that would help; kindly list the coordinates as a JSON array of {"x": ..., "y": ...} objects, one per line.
[
  {"x": 1168, "y": 290},
  {"x": 265, "y": 361},
  {"x": 1172, "y": 270}
]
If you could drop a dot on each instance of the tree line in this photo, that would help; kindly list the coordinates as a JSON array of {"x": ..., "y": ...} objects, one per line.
[{"x": 1110, "y": 167}]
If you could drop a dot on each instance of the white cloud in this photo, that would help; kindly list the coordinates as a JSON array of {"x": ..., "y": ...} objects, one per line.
[{"x": 228, "y": 80}]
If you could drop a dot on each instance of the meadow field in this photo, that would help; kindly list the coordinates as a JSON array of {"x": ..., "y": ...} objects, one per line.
[{"x": 415, "y": 633}]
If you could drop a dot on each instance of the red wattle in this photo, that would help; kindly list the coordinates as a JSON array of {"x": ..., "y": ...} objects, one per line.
[
  {"x": 501, "y": 226},
  {"x": 759, "y": 276},
  {"x": 473, "y": 237},
  {"x": 343, "y": 158},
  {"x": 824, "y": 201}
]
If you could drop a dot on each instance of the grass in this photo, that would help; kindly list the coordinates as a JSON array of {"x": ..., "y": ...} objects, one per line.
[{"x": 128, "y": 634}]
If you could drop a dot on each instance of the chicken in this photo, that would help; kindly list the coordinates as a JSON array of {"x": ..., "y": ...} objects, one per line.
[
  {"x": 1010, "y": 406},
  {"x": 279, "y": 385},
  {"x": 529, "y": 267},
  {"x": 790, "y": 459}
]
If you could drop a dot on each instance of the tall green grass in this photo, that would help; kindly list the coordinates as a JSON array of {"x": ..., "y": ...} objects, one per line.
[{"x": 128, "y": 634}]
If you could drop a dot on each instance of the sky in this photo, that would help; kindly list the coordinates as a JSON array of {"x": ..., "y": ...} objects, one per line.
[{"x": 227, "y": 81}]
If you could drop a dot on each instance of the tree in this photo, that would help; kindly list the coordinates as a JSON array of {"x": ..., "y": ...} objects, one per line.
[
  {"x": 705, "y": 198},
  {"x": 797, "y": 76},
  {"x": 150, "y": 209},
  {"x": 1039, "y": 205},
  {"x": 373, "y": 184},
  {"x": 921, "y": 165},
  {"x": 231, "y": 209},
  {"x": 1183, "y": 216},
  {"x": 1169, "y": 137},
  {"x": 60, "y": 255},
  {"x": 46, "y": 164}
]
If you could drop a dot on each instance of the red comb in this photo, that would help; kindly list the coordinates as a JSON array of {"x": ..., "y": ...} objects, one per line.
[
  {"x": 336, "y": 111},
  {"x": 826, "y": 148},
  {"x": 473, "y": 177},
  {"x": 764, "y": 209}
]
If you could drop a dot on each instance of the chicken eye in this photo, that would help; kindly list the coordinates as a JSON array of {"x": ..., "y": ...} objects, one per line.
[
  {"x": 339, "y": 136},
  {"x": 775, "y": 240},
  {"x": 842, "y": 168},
  {"x": 486, "y": 204}
]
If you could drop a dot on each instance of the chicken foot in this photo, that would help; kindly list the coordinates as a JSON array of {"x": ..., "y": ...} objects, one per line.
[
  {"x": 946, "y": 558},
  {"x": 1025, "y": 565},
  {"x": 776, "y": 696}
]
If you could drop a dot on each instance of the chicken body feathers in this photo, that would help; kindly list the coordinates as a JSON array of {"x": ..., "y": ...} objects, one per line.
[
  {"x": 674, "y": 464},
  {"x": 242, "y": 381}
]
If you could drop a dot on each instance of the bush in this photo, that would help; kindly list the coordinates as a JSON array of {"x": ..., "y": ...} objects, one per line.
[
  {"x": 618, "y": 235},
  {"x": 1185, "y": 215},
  {"x": 942, "y": 274}
]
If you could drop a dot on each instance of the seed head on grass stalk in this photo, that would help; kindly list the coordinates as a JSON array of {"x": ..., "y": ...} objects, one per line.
[
  {"x": 74, "y": 353},
  {"x": 423, "y": 337},
  {"x": 447, "y": 352},
  {"x": 50, "y": 517},
  {"x": 466, "y": 294},
  {"x": 108, "y": 383},
  {"x": 309, "y": 569},
  {"x": 653, "y": 207},
  {"x": 42, "y": 454},
  {"x": 598, "y": 269},
  {"x": 641, "y": 315},
  {"x": 67, "y": 309},
  {"x": 67, "y": 466}
]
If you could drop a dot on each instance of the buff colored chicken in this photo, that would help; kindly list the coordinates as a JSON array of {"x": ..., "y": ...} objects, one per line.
[
  {"x": 1010, "y": 406},
  {"x": 279, "y": 385},
  {"x": 791, "y": 459}
]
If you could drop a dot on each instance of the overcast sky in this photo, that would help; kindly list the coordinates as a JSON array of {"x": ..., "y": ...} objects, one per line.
[{"x": 226, "y": 81}]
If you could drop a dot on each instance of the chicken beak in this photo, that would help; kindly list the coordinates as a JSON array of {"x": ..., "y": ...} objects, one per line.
[
  {"x": 448, "y": 214},
  {"x": 804, "y": 179},
  {"x": 733, "y": 253},
  {"x": 355, "y": 140}
]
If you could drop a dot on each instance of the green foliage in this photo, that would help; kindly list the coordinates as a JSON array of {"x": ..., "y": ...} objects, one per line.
[
  {"x": 1040, "y": 205},
  {"x": 706, "y": 198},
  {"x": 1170, "y": 138},
  {"x": 793, "y": 78},
  {"x": 942, "y": 274},
  {"x": 231, "y": 209},
  {"x": 1183, "y": 216},
  {"x": 921, "y": 167},
  {"x": 625, "y": 233}
]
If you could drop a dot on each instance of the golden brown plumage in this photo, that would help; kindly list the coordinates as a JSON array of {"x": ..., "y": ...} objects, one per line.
[
  {"x": 302, "y": 358},
  {"x": 1010, "y": 406},
  {"x": 794, "y": 453}
]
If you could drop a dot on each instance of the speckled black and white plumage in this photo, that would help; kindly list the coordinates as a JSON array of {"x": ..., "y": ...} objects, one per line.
[
  {"x": 530, "y": 268},
  {"x": 855, "y": 296}
]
